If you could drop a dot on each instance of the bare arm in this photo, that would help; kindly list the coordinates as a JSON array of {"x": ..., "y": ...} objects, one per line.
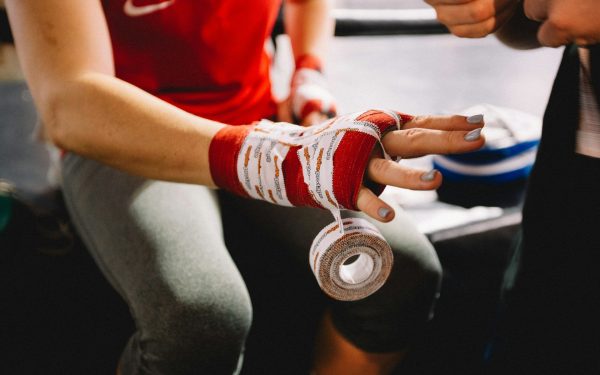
[
  {"x": 66, "y": 55},
  {"x": 309, "y": 26}
]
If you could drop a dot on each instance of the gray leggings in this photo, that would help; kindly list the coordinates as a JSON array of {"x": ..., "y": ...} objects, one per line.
[{"x": 162, "y": 247}]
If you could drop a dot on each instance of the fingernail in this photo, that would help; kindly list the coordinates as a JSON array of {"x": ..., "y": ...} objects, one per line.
[
  {"x": 383, "y": 212},
  {"x": 473, "y": 135},
  {"x": 428, "y": 176},
  {"x": 475, "y": 119}
]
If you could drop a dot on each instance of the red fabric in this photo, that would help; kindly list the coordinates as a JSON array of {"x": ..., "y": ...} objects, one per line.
[
  {"x": 223, "y": 153},
  {"x": 353, "y": 155},
  {"x": 384, "y": 121},
  {"x": 311, "y": 106},
  {"x": 350, "y": 160},
  {"x": 311, "y": 103},
  {"x": 309, "y": 61},
  {"x": 297, "y": 191},
  {"x": 206, "y": 57}
]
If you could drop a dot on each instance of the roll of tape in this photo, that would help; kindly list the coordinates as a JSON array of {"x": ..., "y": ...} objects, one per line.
[
  {"x": 349, "y": 257},
  {"x": 350, "y": 263}
]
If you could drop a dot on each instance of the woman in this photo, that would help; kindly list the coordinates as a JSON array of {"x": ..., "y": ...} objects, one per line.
[{"x": 137, "y": 93}]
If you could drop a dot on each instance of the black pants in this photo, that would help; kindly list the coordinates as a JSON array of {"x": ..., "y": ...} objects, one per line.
[{"x": 549, "y": 318}]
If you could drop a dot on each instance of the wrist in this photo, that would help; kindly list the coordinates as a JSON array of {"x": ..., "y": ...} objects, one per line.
[
  {"x": 308, "y": 61},
  {"x": 223, "y": 154},
  {"x": 309, "y": 91}
]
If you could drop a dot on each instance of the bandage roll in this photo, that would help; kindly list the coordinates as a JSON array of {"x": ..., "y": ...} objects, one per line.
[{"x": 352, "y": 264}]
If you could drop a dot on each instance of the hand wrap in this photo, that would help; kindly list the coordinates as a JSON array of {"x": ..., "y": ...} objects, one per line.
[
  {"x": 289, "y": 165},
  {"x": 319, "y": 166},
  {"x": 309, "y": 91}
]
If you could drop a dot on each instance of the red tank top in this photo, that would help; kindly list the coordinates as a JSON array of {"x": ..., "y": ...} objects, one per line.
[{"x": 204, "y": 56}]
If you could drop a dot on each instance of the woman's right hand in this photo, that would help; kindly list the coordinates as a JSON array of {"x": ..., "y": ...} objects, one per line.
[{"x": 337, "y": 164}]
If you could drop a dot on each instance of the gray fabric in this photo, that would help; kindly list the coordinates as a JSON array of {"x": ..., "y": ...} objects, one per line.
[{"x": 161, "y": 246}]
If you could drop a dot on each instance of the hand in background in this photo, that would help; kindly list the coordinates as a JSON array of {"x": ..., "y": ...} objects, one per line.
[
  {"x": 474, "y": 18},
  {"x": 310, "y": 101},
  {"x": 565, "y": 21}
]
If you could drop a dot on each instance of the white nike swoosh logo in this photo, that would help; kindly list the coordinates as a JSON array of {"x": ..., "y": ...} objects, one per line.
[{"x": 136, "y": 11}]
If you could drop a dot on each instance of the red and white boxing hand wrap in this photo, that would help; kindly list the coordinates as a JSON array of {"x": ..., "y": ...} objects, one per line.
[
  {"x": 286, "y": 164},
  {"x": 309, "y": 91}
]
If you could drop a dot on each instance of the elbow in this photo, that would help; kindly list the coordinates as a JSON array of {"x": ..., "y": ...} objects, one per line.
[{"x": 52, "y": 107}]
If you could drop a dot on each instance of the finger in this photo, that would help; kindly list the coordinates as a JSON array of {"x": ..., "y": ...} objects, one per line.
[
  {"x": 388, "y": 172},
  {"x": 552, "y": 35},
  {"x": 371, "y": 205},
  {"x": 467, "y": 13},
  {"x": 485, "y": 26},
  {"x": 419, "y": 142},
  {"x": 536, "y": 10},
  {"x": 313, "y": 118},
  {"x": 452, "y": 122}
]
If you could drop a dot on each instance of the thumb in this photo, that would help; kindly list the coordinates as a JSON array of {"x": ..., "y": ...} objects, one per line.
[{"x": 372, "y": 205}]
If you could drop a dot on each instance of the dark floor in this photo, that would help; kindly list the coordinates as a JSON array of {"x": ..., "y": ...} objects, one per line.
[{"x": 59, "y": 316}]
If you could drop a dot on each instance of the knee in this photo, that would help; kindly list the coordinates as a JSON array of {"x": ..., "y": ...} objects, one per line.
[
  {"x": 200, "y": 333},
  {"x": 416, "y": 278},
  {"x": 396, "y": 315},
  {"x": 413, "y": 285}
]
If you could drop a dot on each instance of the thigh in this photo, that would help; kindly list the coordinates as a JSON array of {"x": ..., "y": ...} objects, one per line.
[
  {"x": 156, "y": 242},
  {"x": 276, "y": 240}
]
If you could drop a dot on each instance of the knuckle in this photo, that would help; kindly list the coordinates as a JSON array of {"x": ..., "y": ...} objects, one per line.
[
  {"x": 412, "y": 134},
  {"x": 559, "y": 23},
  {"x": 456, "y": 119},
  {"x": 462, "y": 32},
  {"x": 372, "y": 204},
  {"x": 471, "y": 32},
  {"x": 421, "y": 120},
  {"x": 481, "y": 11},
  {"x": 443, "y": 18},
  {"x": 451, "y": 140},
  {"x": 379, "y": 167}
]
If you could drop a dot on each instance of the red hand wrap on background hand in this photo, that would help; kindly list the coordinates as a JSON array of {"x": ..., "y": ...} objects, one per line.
[
  {"x": 309, "y": 92},
  {"x": 319, "y": 166}
]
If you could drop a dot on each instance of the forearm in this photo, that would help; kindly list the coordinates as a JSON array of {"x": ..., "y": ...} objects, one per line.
[
  {"x": 519, "y": 32},
  {"x": 65, "y": 51},
  {"x": 106, "y": 119},
  {"x": 309, "y": 25}
]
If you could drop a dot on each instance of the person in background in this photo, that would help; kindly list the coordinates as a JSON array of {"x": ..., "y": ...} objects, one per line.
[
  {"x": 9, "y": 69},
  {"x": 549, "y": 320},
  {"x": 148, "y": 99}
]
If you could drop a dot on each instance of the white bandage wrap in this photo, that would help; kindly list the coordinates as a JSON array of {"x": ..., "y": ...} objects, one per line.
[
  {"x": 352, "y": 264},
  {"x": 309, "y": 84},
  {"x": 260, "y": 171},
  {"x": 259, "y": 163}
]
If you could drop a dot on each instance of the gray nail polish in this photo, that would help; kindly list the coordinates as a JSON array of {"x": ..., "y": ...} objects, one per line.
[
  {"x": 383, "y": 212},
  {"x": 475, "y": 119},
  {"x": 473, "y": 135},
  {"x": 429, "y": 176}
]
